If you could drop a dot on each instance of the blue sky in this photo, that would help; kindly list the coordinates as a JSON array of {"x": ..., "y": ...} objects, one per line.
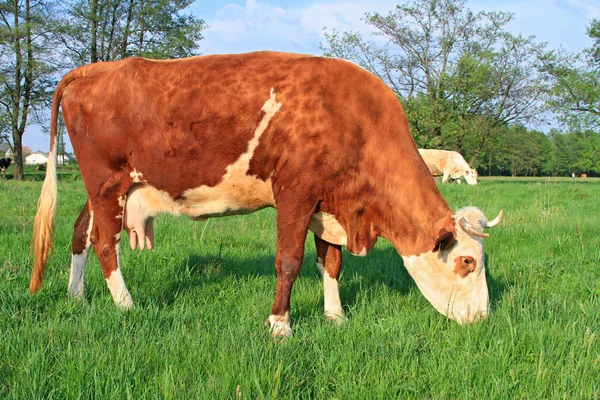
[{"x": 237, "y": 26}]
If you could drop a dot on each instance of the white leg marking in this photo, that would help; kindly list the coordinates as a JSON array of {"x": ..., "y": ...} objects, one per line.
[
  {"x": 331, "y": 296},
  {"x": 77, "y": 276},
  {"x": 116, "y": 285},
  {"x": 280, "y": 325},
  {"x": 78, "y": 263}
]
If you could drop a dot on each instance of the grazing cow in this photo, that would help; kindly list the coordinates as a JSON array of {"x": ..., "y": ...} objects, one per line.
[
  {"x": 4, "y": 164},
  {"x": 584, "y": 175},
  {"x": 448, "y": 165},
  {"x": 320, "y": 139}
]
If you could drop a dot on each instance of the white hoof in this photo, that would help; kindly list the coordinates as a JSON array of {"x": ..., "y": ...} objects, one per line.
[{"x": 280, "y": 325}]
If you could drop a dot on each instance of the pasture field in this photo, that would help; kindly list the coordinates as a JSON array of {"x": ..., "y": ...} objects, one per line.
[{"x": 202, "y": 296}]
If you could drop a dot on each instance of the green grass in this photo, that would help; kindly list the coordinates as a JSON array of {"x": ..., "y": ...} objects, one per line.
[
  {"x": 202, "y": 296},
  {"x": 64, "y": 172}
]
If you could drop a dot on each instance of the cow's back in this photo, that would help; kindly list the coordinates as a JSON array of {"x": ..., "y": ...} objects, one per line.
[
  {"x": 205, "y": 110},
  {"x": 182, "y": 126}
]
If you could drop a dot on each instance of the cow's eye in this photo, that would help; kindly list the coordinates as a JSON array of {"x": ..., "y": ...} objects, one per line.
[{"x": 468, "y": 260}]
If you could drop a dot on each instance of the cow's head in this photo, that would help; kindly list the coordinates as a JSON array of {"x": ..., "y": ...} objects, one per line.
[
  {"x": 452, "y": 276},
  {"x": 466, "y": 172},
  {"x": 471, "y": 176}
]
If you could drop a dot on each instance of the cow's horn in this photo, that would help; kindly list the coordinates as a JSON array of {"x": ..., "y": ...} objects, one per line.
[
  {"x": 495, "y": 221},
  {"x": 463, "y": 223}
]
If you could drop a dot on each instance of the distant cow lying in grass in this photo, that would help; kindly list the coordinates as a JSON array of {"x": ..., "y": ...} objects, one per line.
[{"x": 448, "y": 165}]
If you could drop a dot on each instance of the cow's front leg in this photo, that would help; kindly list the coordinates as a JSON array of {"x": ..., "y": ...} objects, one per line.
[
  {"x": 329, "y": 263},
  {"x": 80, "y": 248},
  {"x": 446, "y": 177},
  {"x": 292, "y": 225},
  {"x": 108, "y": 221}
]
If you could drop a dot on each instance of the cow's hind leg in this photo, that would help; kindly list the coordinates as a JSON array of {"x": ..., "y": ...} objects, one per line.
[
  {"x": 80, "y": 246},
  {"x": 293, "y": 219},
  {"x": 329, "y": 263},
  {"x": 108, "y": 207}
]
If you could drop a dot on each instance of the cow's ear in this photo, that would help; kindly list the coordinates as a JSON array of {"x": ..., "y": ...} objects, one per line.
[{"x": 444, "y": 240}]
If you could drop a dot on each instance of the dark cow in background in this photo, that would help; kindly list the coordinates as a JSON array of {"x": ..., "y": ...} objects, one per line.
[
  {"x": 320, "y": 139},
  {"x": 4, "y": 164}
]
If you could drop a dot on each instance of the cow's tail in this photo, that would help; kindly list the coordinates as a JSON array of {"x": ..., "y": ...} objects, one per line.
[{"x": 43, "y": 225}]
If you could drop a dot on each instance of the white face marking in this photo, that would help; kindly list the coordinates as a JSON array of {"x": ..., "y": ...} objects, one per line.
[
  {"x": 328, "y": 228},
  {"x": 78, "y": 265},
  {"x": 462, "y": 299},
  {"x": 280, "y": 325},
  {"x": 137, "y": 176},
  {"x": 116, "y": 285}
]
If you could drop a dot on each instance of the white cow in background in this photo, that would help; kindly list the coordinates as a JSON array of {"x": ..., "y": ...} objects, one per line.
[{"x": 448, "y": 165}]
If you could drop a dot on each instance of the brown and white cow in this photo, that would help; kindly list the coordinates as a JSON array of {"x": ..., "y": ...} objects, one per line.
[
  {"x": 448, "y": 165},
  {"x": 320, "y": 139}
]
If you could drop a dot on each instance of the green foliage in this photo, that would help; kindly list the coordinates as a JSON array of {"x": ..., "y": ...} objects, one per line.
[
  {"x": 27, "y": 68},
  {"x": 577, "y": 152},
  {"x": 106, "y": 30},
  {"x": 459, "y": 74},
  {"x": 575, "y": 93},
  {"x": 593, "y": 32},
  {"x": 203, "y": 293}
]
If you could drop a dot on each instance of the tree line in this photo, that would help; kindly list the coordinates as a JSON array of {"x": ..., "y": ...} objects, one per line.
[{"x": 466, "y": 82}]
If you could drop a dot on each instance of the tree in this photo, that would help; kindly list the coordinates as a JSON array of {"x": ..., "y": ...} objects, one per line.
[
  {"x": 575, "y": 91},
  {"x": 593, "y": 31},
  {"x": 105, "y": 30},
  {"x": 449, "y": 66},
  {"x": 26, "y": 66}
]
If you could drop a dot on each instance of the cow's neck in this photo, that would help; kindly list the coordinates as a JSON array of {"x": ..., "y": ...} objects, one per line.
[{"x": 400, "y": 202}]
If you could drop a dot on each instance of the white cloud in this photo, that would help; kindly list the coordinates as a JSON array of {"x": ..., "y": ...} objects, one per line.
[
  {"x": 255, "y": 25},
  {"x": 260, "y": 26},
  {"x": 587, "y": 8}
]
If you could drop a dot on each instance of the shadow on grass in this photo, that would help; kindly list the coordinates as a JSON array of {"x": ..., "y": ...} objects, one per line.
[{"x": 382, "y": 266}]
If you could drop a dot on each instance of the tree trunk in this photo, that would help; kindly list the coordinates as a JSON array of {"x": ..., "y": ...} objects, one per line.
[
  {"x": 94, "y": 44},
  {"x": 127, "y": 30},
  {"x": 16, "y": 99},
  {"x": 18, "y": 156}
]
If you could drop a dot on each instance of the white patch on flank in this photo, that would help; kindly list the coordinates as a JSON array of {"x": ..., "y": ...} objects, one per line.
[
  {"x": 237, "y": 193},
  {"x": 280, "y": 324},
  {"x": 328, "y": 228},
  {"x": 116, "y": 285},
  {"x": 136, "y": 175},
  {"x": 331, "y": 295},
  {"x": 78, "y": 264}
]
